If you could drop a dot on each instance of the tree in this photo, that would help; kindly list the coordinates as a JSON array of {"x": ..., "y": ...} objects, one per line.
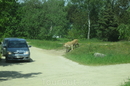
[
  {"x": 107, "y": 23},
  {"x": 123, "y": 16},
  {"x": 84, "y": 14},
  {"x": 8, "y": 19},
  {"x": 31, "y": 19},
  {"x": 93, "y": 8},
  {"x": 55, "y": 17},
  {"x": 43, "y": 20}
]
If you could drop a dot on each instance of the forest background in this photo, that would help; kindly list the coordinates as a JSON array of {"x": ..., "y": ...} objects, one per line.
[{"x": 107, "y": 20}]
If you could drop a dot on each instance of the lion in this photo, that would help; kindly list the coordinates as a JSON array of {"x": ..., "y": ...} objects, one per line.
[
  {"x": 68, "y": 46},
  {"x": 75, "y": 43},
  {"x": 71, "y": 45}
]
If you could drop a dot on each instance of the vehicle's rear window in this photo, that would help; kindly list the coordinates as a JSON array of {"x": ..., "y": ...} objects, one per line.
[{"x": 17, "y": 44}]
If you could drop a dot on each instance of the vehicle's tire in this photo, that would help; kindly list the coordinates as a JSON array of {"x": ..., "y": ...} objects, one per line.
[
  {"x": 6, "y": 59},
  {"x": 29, "y": 60},
  {"x": 2, "y": 53}
]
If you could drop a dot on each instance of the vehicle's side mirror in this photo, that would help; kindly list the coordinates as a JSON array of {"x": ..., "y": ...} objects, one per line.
[
  {"x": 29, "y": 46},
  {"x": 5, "y": 46},
  {"x": 1, "y": 42}
]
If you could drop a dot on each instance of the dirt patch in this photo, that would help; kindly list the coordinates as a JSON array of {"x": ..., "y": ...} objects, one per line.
[
  {"x": 50, "y": 68},
  {"x": 54, "y": 52}
]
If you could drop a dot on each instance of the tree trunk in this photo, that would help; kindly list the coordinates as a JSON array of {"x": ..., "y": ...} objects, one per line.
[
  {"x": 88, "y": 26},
  {"x": 50, "y": 28}
]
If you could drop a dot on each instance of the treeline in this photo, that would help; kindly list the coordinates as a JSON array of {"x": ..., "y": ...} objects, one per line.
[{"x": 107, "y": 20}]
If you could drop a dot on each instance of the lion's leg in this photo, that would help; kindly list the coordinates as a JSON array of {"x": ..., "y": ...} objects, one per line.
[
  {"x": 77, "y": 44},
  {"x": 68, "y": 49},
  {"x": 72, "y": 47}
]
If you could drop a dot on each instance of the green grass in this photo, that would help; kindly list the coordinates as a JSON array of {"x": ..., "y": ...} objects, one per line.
[
  {"x": 126, "y": 83},
  {"x": 46, "y": 44},
  {"x": 116, "y": 52}
]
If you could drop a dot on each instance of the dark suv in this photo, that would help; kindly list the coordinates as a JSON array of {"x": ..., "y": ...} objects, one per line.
[{"x": 16, "y": 49}]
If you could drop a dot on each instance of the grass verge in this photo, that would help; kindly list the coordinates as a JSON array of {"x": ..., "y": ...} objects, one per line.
[
  {"x": 116, "y": 52},
  {"x": 126, "y": 83},
  {"x": 44, "y": 44}
]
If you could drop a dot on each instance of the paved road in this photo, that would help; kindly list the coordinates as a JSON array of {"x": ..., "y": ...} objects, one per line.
[{"x": 50, "y": 68}]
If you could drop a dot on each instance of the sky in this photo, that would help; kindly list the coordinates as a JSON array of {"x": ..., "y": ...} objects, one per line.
[{"x": 22, "y": 1}]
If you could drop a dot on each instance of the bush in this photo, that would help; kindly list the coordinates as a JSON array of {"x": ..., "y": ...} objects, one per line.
[{"x": 74, "y": 33}]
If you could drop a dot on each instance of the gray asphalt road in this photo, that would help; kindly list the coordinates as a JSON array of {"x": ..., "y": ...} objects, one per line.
[{"x": 50, "y": 68}]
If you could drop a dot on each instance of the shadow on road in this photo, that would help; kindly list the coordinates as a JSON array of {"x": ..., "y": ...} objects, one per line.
[
  {"x": 7, "y": 75},
  {"x": 4, "y": 63}
]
